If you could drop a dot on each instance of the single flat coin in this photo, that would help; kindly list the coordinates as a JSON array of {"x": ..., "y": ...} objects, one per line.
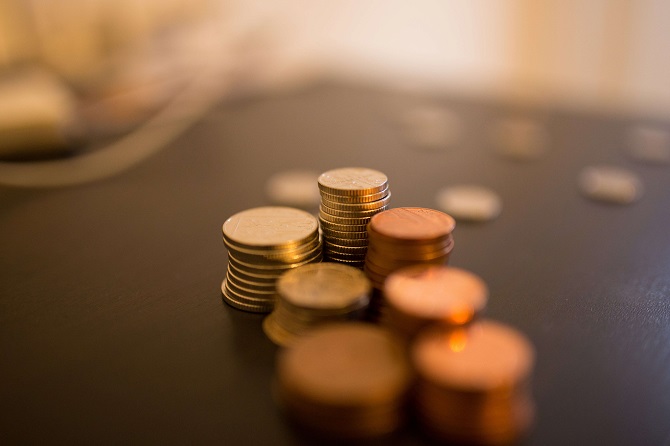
[
  {"x": 437, "y": 292},
  {"x": 352, "y": 181},
  {"x": 346, "y": 365},
  {"x": 520, "y": 138},
  {"x": 610, "y": 184},
  {"x": 323, "y": 285},
  {"x": 274, "y": 227},
  {"x": 412, "y": 224},
  {"x": 649, "y": 144},
  {"x": 431, "y": 127},
  {"x": 294, "y": 188},
  {"x": 357, "y": 207},
  {"x": 469, "y": 202},
  {"x": 484, "y": 357},
  {"x": 352, "y": 199}
]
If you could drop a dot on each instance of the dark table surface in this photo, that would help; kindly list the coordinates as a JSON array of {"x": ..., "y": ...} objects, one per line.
[{"x": 113, "y": 330}]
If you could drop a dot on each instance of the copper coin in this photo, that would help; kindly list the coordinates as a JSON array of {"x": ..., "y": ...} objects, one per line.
[
  {"x": 352, "y": 181},
  {"x": 485, "y": 356},
  {"x": 437, "y": 292},
  {"x": 412, "y": 224}
]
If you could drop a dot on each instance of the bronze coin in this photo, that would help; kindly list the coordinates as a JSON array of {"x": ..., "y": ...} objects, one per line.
[{"x": 413, "y": 224}]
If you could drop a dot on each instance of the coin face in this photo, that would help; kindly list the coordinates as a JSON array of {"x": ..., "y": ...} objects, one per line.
[
  {"x": 437, "y": 292},
  {"x": 412, "y": 224},
  {"x": 270, "y": 226},
  {"x": 352, "y": 181},
  {"x": 488, "y": 355},
  {"x": 469, "y": 202},
  {"x": 346, "y": 364},
  {"x": 324, "y": 286},
  {"x": 610, "y": 184}
]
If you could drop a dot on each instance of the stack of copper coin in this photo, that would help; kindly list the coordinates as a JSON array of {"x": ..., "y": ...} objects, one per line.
[
  {"x": 473, "y": 384},
  {"x": 262, "y": 244},
  {"x": 346, "y": 380},
  {"x": 315, "y": 294},
  {"x": 421, "y": 295},
  {"x": 406, "y": 236},
  {"x": 349, "y": 198}
]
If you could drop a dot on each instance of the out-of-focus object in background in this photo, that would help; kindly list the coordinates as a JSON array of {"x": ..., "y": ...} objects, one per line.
[
  {"x": 469, "y": 202},
  {"x": 649, "y": 144},
  {"x": 610, "y": 184},
  {"x": 294, "y": 188},
  {"x": 430, "y": 127},
  {"x": 520, "y": 138},
  {"x": 38, "y": 115}
]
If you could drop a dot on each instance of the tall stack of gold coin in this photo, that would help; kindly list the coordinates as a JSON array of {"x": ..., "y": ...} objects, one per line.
[
  {"x": 262, "y": 244},
  {"x": 315, "y": 294},
  {"x": 473, "y": 384},
  {"x": 422, "y": 295},
  {"x": 349, "y": 198},
  {"x": 406, "y": 236},
  {"x": 347, "y": 381}
]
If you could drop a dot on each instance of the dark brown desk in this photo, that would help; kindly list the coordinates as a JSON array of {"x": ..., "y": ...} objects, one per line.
[{"x": 112, "y": 327}]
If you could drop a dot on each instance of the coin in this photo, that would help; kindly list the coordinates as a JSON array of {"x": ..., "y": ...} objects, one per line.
[
  {"x": 352, "y": 181},
  {"x": 357, "y": 206},
  {"x": 413, "y": 224},
  {"x": 610, "y": 184},
  {"x": 352, "y": 199},
  {"x": 469, "y": 202},
  {"x": 355, "y": 221},
  {"x": 273, "y": 227}
]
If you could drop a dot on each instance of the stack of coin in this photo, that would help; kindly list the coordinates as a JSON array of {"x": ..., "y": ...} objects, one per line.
[
  {"x": 345, "y": 380},
  {"x": 349, "y": 198},
  {"x": 422, "y": 295},
  {"x": 405, "y": 236},
  {"x": 314, "y": 294},
  {"x": 262, "y": 244},
  {"x": 473, "y": 384}
]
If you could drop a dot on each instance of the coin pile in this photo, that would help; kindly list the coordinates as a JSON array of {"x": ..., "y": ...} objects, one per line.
[
  {"x": 349, "y": 199},
  {"x": 405, "y": 236},
  {"x": 346, "y": 380},
  {"x": 315, "y": 294},
  {"x": 473, "y": 384},
  {"x": 262, "y": 244},
  {"x": 421, "y": 295}
]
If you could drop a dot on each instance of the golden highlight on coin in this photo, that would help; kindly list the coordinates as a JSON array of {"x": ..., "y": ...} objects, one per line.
[
  {"x": 350, "y": 197},
  {"x": 473, "y": 384},
  {"x": 346, "y": 380},
  {"x": 421, "y": 295},
  {"x": 315, "y": 294},
  {"x": 262, "y": 244}
]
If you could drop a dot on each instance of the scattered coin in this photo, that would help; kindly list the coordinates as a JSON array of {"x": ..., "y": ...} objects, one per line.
[
  {"x": 469, "y": 202},
  {"x": 649, "y": 144},
  {"x": 346, "y": 380},
  {"x": 294, "y": 188},
  {"x": 314, "y": 294},
  {"x": 262, "y": 244},
  {"x": 420, "y": 295},
  {"x": 610, "y": 184},
  {"x": 473, "y": 383},
  {"x": 431, "y": 127},
  {"x": 519, "y": 138},
  {"x": 350, "y": 197}
]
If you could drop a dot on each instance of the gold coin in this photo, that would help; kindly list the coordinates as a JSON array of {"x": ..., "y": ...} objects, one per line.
[
  {"x": 323, "y": 285},
  {"x": 272, "y": 227},
  {"x": 274, "y": 253},
  {"x": 352, "y": 181},
  {"x": 250, "y": 284},
  {"x": 243, "y": 304},
  {"x": 351, "y": 214},
  {"x": 344, "y": 220},
  {"x": 271, "y": 266},
  {"x": 358, "y": 250},
  {"x": 355, "y": 198},
  {"x": 349, "y": 235},
  {"x": 356, "y": 207},
  {"x": 288, "y": 258},
  {"x": 360, "y": 243},
  {"x": 341, "y": 228}
]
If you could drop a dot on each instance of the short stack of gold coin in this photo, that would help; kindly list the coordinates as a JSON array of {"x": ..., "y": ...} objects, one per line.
[
  {"x": 345, "y": 381},
  {"x": 262, "y": 244},
  {"x": 349, "y": 198},
  {"x": 473, "y": 383},
  {"x": 406, "y": 236},
  {"x": 315, "y": 294},
  {"x": 422, "y": 295}
]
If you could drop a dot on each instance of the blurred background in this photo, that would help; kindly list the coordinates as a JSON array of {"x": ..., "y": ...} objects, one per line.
[{"x": 75, "y": 74}]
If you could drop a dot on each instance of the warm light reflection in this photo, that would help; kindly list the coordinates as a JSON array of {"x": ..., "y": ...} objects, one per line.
[
  {"x": 462, "y": 315},
  {"x": 457, "y": 340}
]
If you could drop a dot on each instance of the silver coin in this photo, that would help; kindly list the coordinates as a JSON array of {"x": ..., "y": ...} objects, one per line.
[
  {"x": 610, "y": 184},
  {"x": 469, "y": 202}
]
